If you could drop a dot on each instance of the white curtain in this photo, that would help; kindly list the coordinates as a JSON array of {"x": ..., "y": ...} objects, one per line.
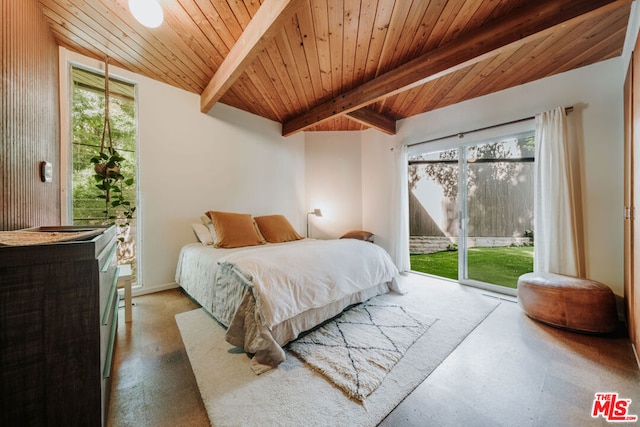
[
  {"x": 400, "y": 211},
  {"x": 557, "y": 199}
]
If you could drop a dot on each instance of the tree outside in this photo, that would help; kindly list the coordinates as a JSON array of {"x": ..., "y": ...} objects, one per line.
[
  {"x": 87, "y": 127},
  {"x": 499, "y": 190}
]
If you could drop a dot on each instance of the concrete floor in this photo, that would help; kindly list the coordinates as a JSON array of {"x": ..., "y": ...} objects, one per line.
[{"x": 510, "y": 371}]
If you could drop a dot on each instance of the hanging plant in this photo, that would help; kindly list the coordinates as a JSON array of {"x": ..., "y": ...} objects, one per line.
[{"x": 108, "y": 171}]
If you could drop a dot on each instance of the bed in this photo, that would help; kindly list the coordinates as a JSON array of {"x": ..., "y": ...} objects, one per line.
[{"x": 266, "y": 295}]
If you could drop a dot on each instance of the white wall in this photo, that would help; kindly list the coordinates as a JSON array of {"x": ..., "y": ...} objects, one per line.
[
  {"x": 191, "y": 162},
  {"x": 333, "y": 182},
  {"x": 377, "y": 182},
  {"x": 596, "y": 93},
  {"x": 231, "y": 160}
]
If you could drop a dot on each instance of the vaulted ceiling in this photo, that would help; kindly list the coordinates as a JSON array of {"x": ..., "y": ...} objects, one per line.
[{"x": 344, "y": 64}]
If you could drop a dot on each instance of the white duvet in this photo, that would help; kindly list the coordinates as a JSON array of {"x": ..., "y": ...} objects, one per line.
[{"x": 289, "y": 280}]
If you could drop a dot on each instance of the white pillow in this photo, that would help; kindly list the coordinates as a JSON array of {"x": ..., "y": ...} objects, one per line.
[
  {"x": 203, "y": 234},
  {"x": 207, "y": 223}
]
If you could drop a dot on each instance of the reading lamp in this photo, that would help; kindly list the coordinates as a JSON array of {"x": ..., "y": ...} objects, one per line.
[
  {"x": 147, "y": 12},
  {"x": 316, "y": 212}
]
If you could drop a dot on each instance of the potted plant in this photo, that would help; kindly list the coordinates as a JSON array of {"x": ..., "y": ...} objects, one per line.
[{"x": 111, "y": 182}]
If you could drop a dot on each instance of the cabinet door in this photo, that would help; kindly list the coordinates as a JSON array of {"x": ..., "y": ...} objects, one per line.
[{"x": 631, "y": 194}]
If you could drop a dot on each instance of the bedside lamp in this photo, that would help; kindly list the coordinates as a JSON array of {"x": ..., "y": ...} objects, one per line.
[{"x": 316, "y": 212}]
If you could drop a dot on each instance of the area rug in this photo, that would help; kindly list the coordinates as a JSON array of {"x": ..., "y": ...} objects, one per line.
[
  {"x": 357, "y": 349},
  {"x": 294, "y": 394}
]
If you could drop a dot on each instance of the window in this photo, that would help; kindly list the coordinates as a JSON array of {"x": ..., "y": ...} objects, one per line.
[
  {"x": 471, "y": 211},
  {"x": 87, "y": 122}
]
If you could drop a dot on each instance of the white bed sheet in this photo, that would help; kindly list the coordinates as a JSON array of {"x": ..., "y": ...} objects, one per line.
[{"x": 196, "y": 274}]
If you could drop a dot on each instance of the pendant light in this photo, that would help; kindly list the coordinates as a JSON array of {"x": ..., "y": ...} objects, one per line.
[{"x": 147, "y": 12}]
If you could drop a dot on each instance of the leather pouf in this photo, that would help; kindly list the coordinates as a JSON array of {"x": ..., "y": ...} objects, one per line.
[{"x": 568, "y": 302}]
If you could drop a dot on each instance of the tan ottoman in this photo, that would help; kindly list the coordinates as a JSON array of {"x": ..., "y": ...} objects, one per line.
[{"x": 568, "y": 302}]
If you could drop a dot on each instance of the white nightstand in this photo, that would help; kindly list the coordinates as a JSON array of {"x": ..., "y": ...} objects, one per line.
[{"x": 124, "y": 281}]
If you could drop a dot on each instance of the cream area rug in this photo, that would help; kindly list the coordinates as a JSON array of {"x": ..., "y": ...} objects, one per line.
[
  {"x": 357, "y": 349},
  {"x": 295, "y": 394}
]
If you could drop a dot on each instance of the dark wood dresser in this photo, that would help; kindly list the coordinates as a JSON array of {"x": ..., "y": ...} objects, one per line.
[{"x": 58, "y": 320}]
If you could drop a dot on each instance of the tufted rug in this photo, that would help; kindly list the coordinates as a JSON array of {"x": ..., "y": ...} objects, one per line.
[
  {"x": 357, "y": 349},
  {"x": 295, "y": 394}
]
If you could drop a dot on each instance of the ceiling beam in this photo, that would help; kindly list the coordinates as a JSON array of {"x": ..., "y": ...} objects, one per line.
[
  {"x": 373, "y": 119},
  {"x": 531, "y": 22},
  {"x": 268, "y": 20}
]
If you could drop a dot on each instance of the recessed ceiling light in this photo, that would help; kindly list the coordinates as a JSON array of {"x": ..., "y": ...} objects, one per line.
[{"x": 147, "y": 12}]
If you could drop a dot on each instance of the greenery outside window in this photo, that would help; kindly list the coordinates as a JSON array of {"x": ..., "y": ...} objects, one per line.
[
  {"x": 471, "y": 211},
  {"x": 87, "y": 119}
]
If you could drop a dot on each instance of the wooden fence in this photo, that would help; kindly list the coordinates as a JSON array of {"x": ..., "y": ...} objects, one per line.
[{"x": 500, "y": 204}]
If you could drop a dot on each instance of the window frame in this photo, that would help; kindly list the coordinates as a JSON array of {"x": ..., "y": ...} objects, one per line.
[{"x": 66, "y": 154}]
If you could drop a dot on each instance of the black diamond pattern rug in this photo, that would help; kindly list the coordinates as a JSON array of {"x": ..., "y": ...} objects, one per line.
[{"x": 357, "y": 349}]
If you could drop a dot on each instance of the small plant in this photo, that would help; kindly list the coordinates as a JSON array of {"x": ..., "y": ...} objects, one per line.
[
  {"x": 111, "y": 182},
  {"x": 452, "y": 247},
  {"x": 529, "y": 234}
]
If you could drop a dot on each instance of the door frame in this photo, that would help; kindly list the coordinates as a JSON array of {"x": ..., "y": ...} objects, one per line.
[{"x": 460, "y": 142}]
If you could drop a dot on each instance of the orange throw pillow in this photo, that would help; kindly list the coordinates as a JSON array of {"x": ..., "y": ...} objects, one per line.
[
  {"x": 234, "y": 230},
  {"x": 276, "y": 229}
]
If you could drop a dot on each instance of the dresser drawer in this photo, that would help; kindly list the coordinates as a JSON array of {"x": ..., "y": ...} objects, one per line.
[
  {"x": 107, "y": 350},
  {"x": 107, "y": 264},
  {"x": 109, "y": 320}
]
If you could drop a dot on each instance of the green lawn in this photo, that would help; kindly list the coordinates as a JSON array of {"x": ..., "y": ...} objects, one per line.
[{"x": 500, "y": 266}]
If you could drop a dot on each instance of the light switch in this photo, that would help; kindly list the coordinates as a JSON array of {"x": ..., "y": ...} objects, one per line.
[{"x": 46, "y": 172}]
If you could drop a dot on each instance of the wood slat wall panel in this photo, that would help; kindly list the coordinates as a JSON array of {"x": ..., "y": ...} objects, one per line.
[
  {"x": 335, "y": 16},
  {"x": 363, "y": 41},
  {"x": 543, "y": 57},
  {"x": 327, "y": 48},
  {"x": 459, "y": 20},
  {"x": 393, "y": 35},
  {"x": 272, "y": 97},
  {"x": 184, "y": 27},
  {"x": 423, "y": 40},
  {"x": 350, "y": 21},
  {"x": 320, "y": 19},
  {"x": 295, "y": 58},
  {"x": 298, "y": 76},
  {"x": 381, "y": 23},
  {"x": 281, "y": 81},
  {"x": 118, "y": 48},
  {"x": 210, "y": 14},
  {"x": 407, "y": 45},
  {"x": 537, "y": 64},
  {"x": 607, "y": 30},
  {"x": 309, "y": 51},
  {"x": 152, "y": 62},
  {"x": 29, "y": 117}
]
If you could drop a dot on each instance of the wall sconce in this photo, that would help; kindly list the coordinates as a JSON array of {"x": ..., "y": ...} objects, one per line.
[
  {"x": 147, "y": 12},
  {"x": 316, "y": 212}
]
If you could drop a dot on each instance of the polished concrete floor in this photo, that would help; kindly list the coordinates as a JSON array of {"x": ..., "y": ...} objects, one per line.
[{"x": 510, "y": 371}]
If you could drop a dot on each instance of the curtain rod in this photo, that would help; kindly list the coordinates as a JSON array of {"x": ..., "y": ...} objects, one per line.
[{"x": 462, "y": 134}]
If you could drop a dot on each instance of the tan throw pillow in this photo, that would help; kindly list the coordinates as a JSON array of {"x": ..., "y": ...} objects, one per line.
[
  {"x": 358, "y": 234},
  {"x": 276, "y": 229},
  {"x": 234, "y": 230}
]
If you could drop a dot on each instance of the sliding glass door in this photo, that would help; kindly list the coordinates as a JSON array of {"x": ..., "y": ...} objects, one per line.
[
  {"x": 433, "y": 211},
  {"x": 472, "y": 206}
]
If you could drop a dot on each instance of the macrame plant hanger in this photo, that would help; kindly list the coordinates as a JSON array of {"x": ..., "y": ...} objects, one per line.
[
  {"x": 109, "y": 171},
  {"x": 107, "y": 121}
]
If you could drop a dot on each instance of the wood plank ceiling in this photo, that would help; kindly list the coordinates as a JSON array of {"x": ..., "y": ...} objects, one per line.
[{"x": 327, "y": 65}]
